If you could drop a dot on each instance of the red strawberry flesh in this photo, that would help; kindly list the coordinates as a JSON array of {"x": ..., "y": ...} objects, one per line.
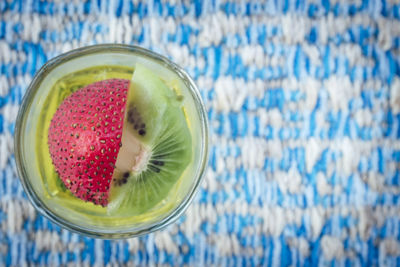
[{"x": 85, "y": 137}]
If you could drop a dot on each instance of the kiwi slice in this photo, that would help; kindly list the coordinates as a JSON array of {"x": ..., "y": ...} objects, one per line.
[{"x": 156, "y": 145}]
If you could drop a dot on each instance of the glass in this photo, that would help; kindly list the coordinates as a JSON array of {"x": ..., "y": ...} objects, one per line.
[{"x": 33, "y": 171}]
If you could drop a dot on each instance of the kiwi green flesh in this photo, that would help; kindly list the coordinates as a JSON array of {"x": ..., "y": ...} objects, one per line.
[
  {"x": 166, "y": 144},
  {"x": 147, "y": 102}
]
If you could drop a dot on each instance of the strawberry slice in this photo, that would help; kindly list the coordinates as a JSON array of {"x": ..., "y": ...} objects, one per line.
[{"x": 85, "y": 137}]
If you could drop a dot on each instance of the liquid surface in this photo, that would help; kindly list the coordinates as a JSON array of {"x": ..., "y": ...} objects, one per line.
[{"x": 54, "y": 188}]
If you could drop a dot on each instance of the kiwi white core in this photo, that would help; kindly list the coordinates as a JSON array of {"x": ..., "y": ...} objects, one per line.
[{"x": 133, "y": 156}]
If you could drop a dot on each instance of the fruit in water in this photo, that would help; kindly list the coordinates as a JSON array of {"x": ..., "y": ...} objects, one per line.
[
  {"x": 85, "y": 136},
  {"x": 118, "y": 147}
]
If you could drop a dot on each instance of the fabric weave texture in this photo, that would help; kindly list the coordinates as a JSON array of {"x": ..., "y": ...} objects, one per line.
[{"x": 303, "y": 100}]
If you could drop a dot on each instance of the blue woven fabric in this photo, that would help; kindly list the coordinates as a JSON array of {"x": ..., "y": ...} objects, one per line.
[{"x": 303, "y": 101}]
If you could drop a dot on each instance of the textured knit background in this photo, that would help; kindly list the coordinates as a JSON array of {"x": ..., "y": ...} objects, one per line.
[{"x": 303, "y": 100}]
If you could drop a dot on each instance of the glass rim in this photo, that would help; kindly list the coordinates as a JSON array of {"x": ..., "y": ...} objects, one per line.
[{"x": 31, "y": 91}]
